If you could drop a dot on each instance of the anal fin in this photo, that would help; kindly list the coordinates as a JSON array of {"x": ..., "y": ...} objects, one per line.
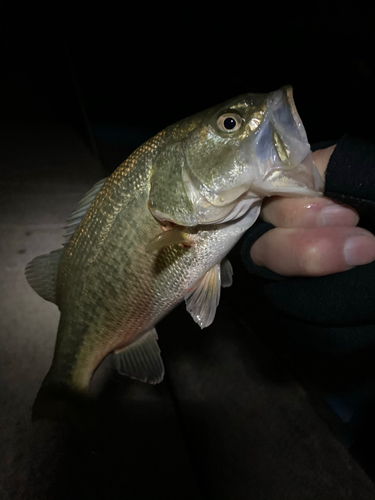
[{"x": 141, "y": 360}]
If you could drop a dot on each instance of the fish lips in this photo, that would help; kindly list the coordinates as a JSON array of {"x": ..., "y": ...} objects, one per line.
[
  {"x": 280, "y": 140},
  {"x": 278, "y": 152}
]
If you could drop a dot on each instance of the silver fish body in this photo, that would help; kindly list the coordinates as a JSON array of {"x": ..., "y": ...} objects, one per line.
[{"x": 158, "y": 230}]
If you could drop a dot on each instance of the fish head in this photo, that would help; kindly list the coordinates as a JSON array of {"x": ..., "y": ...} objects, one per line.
[{"x": 218, "y": 164}]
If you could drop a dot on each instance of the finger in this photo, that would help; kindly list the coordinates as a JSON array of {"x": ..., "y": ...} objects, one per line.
[
  {"x": 307, "y": 212},
  {"x": 313, "y": 252},
  {"x": 321, "y": 158}
]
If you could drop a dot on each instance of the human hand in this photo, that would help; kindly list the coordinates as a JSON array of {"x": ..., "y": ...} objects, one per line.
[{"x": 313, "y": 236}]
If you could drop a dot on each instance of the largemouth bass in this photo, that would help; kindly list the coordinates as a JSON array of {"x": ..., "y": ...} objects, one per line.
[{"x": 157, "y": 231}]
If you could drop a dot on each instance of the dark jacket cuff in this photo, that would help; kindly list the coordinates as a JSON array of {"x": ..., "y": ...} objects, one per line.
[
  {"x": 255, "y": 232},
  {"x": 351, "y": 169}
]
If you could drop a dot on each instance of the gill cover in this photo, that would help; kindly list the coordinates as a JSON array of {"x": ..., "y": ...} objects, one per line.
[{"x": 169, "y": 197}]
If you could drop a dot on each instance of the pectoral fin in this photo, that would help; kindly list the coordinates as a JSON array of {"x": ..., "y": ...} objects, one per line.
[
  {"x": 141, "y": 360},
  {"x": 166, "y": 238}
]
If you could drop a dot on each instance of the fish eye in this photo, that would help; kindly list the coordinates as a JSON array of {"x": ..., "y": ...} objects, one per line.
[{"x": 229, "y": 122}]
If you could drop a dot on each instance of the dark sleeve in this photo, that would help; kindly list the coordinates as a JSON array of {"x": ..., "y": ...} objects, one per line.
[
  {"x": 350, "y": 180},
  {"x": 334, "y": 313}
]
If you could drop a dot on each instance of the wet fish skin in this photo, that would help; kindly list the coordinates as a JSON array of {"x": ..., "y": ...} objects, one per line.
[{"x": 205, "y": 183}]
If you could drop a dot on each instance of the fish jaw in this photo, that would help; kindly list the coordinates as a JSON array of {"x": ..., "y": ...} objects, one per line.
[{"x": 281, "y": 153}]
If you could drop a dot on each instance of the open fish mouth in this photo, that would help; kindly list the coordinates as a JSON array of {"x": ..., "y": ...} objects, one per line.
[
  {"x": 297, "y": 119},
  {"x": 281, "y": 139}
]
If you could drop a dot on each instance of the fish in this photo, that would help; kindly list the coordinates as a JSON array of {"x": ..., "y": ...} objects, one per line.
[{"x": 157, "y": 232}]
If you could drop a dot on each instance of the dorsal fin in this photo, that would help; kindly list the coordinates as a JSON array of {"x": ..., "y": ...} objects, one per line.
[
  {"x": 41, "y": 274},
  {"x": 80, "y": 210}
]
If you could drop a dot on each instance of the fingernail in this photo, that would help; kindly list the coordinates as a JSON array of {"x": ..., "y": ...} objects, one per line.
[
  {"x": 359, "y": 250},
  {"x": 337, "y": 215}
]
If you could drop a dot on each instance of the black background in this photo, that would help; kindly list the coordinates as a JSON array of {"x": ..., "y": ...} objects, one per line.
[
  {"x": 118, "y": 73},
  {"x": 139, "y": 66}
]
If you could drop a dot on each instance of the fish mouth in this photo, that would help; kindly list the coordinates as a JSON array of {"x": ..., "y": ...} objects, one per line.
[
  {"x": 284, "y": 130},
  {"x": 288, "y": 89},
  {"x": 284, "y": 115},
  {"x": 281, "y": 152}
]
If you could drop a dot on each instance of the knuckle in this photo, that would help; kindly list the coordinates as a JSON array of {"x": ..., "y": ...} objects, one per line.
[
  {"x": 275, "y": 211},
  {"x": 310, "y": 259},
  {"x": 284, "y": 214}
]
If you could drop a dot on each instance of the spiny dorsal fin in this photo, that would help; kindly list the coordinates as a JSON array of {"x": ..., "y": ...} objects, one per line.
[
  {"x": 80, "y": 210},
  {"x": 41, "y": 274},
  {"x": 141, "y": 360}
]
